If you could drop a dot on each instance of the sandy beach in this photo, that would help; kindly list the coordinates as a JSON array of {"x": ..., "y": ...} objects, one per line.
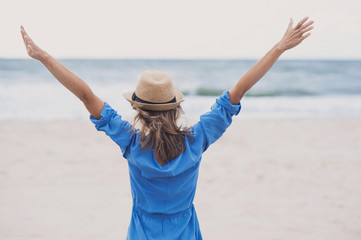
[{"x": 264, "y": 179}]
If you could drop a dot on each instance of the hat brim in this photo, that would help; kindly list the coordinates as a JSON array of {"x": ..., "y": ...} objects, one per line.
[{"x": 155, "y": 107}]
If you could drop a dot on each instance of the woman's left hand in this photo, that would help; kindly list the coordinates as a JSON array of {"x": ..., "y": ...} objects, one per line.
[
  {"x": 295, "y": 35},
  {"x": 33, "y": 50}
]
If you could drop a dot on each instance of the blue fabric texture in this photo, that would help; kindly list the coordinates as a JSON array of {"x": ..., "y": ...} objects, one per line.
[{"x": 163, "y": 195}]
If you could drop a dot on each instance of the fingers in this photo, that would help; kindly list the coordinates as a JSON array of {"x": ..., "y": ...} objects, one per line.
[
  {"x": 290, "y": 24},
  {"x": 308, "y": 24},
  {"x": 26, "y": 36},
  {"x": 27, "y": 41},
  {"x": 22, "y": 32},
  {"x": 297, "y": 34},
  {"x": 302, "y": 27},
  {"x": 306, "y": 30},
  {"x": 300, "y": 23},
  {"x": 305, "y": 36}
]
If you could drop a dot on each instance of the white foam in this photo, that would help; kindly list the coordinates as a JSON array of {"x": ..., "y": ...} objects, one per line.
[
  {"x": 290, "y": 107},
  {"x": 51, "y": 101}
]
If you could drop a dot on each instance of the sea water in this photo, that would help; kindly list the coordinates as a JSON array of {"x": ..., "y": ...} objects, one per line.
[{"x": 292, "y": 88}]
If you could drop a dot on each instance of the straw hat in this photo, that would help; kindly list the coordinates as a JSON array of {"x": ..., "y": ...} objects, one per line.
[{"x": 155, "y": 92}]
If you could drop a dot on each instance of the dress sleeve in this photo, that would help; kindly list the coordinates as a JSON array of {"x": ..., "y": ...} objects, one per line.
[
  {"x": 112, "y": 124},
  {"x": 214, "y": 123}
]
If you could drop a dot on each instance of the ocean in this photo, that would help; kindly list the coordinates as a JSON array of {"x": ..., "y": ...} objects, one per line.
[{"x": 291, "y": 89}]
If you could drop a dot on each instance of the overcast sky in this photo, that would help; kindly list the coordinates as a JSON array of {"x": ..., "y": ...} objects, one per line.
[{"x": 178, "y": 29}]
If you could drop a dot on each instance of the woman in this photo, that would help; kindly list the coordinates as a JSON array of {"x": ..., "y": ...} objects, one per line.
[{"x": 164, "y": 159}]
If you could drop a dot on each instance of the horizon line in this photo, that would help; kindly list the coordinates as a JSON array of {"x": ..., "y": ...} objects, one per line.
[{"x": 186, "y": 59}]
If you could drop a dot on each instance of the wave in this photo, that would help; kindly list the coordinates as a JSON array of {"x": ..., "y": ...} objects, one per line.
[
  {"x": 202, "y": 91},
  {"x": 278, "y": 93},
  {"x": 209, "y": 92}
]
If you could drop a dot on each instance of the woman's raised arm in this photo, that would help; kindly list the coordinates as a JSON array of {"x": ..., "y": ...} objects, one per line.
[
  {"x": 69, "y": 80},
  {"x": 292, "y": 37}
]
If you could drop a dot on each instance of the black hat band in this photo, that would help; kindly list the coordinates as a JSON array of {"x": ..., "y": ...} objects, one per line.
[{"x": 137, "y": 99}]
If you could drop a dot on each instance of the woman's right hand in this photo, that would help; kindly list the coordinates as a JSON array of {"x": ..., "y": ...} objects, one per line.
[
  {"x": 295, "y": 35},
  {"x": 33, "y": 50}
]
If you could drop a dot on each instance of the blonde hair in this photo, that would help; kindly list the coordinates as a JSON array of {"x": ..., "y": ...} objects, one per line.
[{"x": 160, "y": 132}]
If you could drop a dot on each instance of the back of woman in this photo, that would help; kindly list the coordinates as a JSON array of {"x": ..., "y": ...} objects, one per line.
[{"x": 163, "y": 189}]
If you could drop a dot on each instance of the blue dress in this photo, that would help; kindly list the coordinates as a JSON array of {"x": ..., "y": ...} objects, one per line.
[{"x": 163, "y": 195}]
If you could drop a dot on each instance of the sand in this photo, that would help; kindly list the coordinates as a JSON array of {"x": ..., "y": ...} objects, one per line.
[{"x": 264, "y": 179}]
